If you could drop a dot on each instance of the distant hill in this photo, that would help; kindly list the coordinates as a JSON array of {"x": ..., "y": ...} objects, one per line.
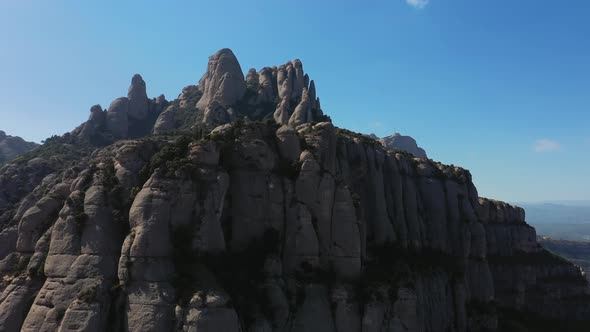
[
  {"x": 562, "y": 212},
  {"x": 564, "y": 220},
  {"x": 12, "y": 146}
]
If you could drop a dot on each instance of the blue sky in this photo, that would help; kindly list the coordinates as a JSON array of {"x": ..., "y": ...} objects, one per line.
[{"x": 499, "y": 87}]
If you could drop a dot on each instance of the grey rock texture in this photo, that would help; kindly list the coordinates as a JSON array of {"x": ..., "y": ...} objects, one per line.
[
  {"x": 118, "y": 117},
  {"x": 96, "y": 122},
  {"x": 12, "y": 146},
  {"x": 274, "y": 229},
  {"x": 138, "y": 100},
  {"x": 127, "y": 117},
  {"x": 222, "y": 86},
  {"x": 260, "y": 226},
  {"x": 223, "y": 95},
  {"x": 405, "y": 143}
]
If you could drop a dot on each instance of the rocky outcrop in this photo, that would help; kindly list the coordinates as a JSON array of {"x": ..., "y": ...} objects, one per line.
[
  {"x": 96, "y": 122},
  {"x": 138, "y": 100},
  {"x": 127, "y": 117},
  {"x": 405, "y": 143},
  {"x": 222, "y": 86},
  {"x": 118, "y": 117},
  {"x": 302, "y": 113},
  {"x": 526, "y": 276},
  {"x": 269, "y": 227},
  {"x": 12, "y": 146},
  {"x": 223, "y": 95},
  {"x": 263, "y": 226},
  {"x": 18, "y": 180}
]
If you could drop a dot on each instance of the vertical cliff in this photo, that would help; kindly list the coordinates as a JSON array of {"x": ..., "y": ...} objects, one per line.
[
  {"x": 261, "y": 226},
  {"x": 269, "y": 225}
]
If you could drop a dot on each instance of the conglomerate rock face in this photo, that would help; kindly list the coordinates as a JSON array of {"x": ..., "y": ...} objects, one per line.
[
  {"x": 127, "y": 117},
  {"x": 12, "y": 146},
  {"x": 264, "y": 226},
  {"x": 284, "y": 94}
]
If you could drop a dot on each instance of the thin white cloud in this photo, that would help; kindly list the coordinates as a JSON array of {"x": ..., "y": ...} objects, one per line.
[
  {"x": 418, "y": 4},
  {"x": 376, "y": 124},
  {"x": 546, "y": 145}
]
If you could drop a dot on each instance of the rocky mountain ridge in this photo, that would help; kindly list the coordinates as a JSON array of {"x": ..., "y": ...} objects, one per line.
[
  {"x": 398, "y": 141},
  {"x": 12, "y": 146},
  {"x": 240, "y": 207}
]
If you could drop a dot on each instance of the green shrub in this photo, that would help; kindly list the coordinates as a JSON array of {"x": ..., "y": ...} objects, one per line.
[
  {"x": 170, "y": 158},
  {"x": 20, "y": 265},
  {"x": 60, "y": 313},
  {"x": 40, "y": 272},
  {"x": 88, "y": 294}
]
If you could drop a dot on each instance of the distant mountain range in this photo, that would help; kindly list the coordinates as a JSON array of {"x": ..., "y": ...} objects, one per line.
[
  {"x": 12, "y": 146},
  {"x": 563, "y": 212},
  {"x": 565, "y": 220}
]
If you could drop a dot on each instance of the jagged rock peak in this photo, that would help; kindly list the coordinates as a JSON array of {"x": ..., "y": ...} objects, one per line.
[
  {"x": 127, "y": 117},
  {"x": 223, "y": 83},
  {"x": 95, "y": 109},
  {"x": 137, "y": 83},
  {"x": 96, "y": 122},
  {"x": 226, "y": 95},
  {"x": 138, "y": 99}
]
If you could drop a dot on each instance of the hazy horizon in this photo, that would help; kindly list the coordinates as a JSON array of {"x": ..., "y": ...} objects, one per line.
[{"x": 501, "y": 88}]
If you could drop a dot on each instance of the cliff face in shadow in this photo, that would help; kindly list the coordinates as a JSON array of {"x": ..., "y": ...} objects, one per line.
[
  {"x": 577, "y": 252},
  {"x": 281, "y": 224}
]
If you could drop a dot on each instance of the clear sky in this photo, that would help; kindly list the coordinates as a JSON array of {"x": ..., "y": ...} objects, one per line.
[{"x": 501, "y": 87}]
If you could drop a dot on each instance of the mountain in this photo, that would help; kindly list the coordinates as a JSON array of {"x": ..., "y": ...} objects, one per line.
[
  {"x": 12, "y": 146},
  {"x": 557, "y": 213},
  {"x": 405, "y": 143},
  {"x": 239, "y": 206}
]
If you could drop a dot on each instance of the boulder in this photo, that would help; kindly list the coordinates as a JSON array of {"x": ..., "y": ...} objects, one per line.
[
  {"x": 117, "y": 117},
  {"x": 166, "y": 121}
]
